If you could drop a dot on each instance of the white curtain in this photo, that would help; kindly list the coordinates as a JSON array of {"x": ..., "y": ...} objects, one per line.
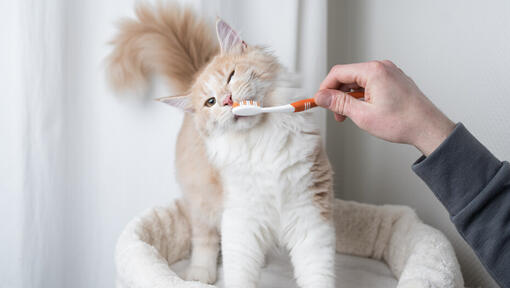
[
  {"x": 77, "y": 162},
  {"x": 32, "y": 144}
]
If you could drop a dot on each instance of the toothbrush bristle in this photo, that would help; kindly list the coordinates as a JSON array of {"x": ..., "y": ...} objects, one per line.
[
  {"x": 246, "y": 108},
  {"x": 247, "y": 103}
]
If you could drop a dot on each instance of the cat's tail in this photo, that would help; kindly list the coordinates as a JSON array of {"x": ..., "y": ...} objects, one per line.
[{"x": 164, "y": 39}]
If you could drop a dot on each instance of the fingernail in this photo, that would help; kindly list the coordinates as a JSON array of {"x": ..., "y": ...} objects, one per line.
[{"x": 323, "y": 98}]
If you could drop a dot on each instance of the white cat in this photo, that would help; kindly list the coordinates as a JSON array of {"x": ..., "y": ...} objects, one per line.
[{"x": 263, "y": 181}]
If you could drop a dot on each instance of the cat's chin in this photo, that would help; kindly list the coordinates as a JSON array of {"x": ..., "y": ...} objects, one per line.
[
  {"x": 245, "y": 122},
  {"x": 241, "y": 123},
  {"x": 237, "y": 117}
]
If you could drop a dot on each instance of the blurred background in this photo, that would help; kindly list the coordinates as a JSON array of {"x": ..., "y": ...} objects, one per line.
[{"x": 78, "y": 162}]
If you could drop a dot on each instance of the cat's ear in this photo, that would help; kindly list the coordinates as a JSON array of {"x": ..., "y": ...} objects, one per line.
[
  {"x": 230, "y": 42},
  {"x": 180, "y": 101}
]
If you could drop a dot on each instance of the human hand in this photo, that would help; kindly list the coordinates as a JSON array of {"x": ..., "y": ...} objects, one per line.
[{"x": 394, "y": 108}]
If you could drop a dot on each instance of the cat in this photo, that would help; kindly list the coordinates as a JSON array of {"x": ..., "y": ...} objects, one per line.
[{"x": 256, "y": 182}]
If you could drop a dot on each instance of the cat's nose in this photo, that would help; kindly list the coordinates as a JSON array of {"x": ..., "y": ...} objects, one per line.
[{"x": 228, "y": 100}]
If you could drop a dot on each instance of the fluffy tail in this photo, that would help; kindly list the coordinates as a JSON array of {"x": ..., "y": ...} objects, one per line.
[{"x": 162, "y": 39}]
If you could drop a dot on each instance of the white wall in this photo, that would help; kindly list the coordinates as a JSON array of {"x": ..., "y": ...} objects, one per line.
[{"x": 458, "y": 52}]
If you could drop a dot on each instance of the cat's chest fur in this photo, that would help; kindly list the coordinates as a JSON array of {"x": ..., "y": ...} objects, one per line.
[{"x": 268, "y": 163}]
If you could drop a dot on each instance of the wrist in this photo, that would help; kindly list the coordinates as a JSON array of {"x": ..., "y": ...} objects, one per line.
[{"x": 435, "y": 130}]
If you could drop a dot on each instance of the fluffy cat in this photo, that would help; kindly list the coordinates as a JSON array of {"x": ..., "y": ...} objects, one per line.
[{"x": 262, "y": 181}]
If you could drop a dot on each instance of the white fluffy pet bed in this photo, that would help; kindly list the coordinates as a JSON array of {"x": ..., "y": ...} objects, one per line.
[{"x": 404, "y": 252}]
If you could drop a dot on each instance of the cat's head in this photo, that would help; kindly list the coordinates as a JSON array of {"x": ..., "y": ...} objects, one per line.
[{"x": 239, "y": 72}]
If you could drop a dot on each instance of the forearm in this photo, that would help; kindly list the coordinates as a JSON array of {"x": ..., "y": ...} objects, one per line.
[{"x": 475, "y": 188}]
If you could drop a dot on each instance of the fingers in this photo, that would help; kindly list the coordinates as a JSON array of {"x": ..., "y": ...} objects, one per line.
[
  {"x": 344, "y": 78},
  {"x": 340, "y": 102},
  {"x": 349, "y": 87},
  {"x": 354, "y": 75},
  {"x": 340, "y": 118},
  {"x": 357, "y": 73}
]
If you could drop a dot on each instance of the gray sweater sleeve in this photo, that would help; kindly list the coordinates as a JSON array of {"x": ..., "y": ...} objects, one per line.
[{"x": 474, "y": 187}]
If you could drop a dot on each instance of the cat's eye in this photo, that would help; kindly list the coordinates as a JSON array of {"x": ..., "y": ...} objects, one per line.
[
  {"x": 210, "y": 102},
  {"x": 230, "y": 76}
]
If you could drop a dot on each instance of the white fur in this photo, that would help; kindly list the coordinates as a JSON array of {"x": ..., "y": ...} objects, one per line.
[{"x": 268, "y": 201}]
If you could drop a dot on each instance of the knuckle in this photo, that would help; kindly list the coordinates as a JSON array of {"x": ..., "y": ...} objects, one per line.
[
  {"x": 378, "y": 67},
  {"x": 338, "y": 104},
  {"x": 389, "y": 63},
  {"x": 333, "y": 106},
  {"x": 346, "y": 105},
  {"x": 335, "y": 69}
]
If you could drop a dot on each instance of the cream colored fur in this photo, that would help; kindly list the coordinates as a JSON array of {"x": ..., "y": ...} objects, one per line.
[
  {"x": 265, "y": 180},
  {"x": 163, "y": 39}
]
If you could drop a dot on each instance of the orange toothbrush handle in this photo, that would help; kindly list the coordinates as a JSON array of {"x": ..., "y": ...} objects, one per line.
[
  {"x": 303, "y": 105},
  {"x": 357, "y": 94},
  {"x": 307, "y": 104}
]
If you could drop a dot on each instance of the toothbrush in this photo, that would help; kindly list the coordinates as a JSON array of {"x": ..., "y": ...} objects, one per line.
[{"x": 252, "y": 108}]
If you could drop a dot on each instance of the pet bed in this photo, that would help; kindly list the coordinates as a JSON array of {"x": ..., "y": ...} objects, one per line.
[{"x": 377, "y": 246}]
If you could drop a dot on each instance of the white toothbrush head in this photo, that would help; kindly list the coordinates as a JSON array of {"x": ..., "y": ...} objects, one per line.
[{"x": 246, "y": 108}]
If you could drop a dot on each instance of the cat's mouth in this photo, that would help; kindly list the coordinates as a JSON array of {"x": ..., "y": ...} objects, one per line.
[{"x": 236, "y": 117}]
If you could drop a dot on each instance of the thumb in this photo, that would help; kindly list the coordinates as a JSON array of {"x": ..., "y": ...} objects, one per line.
[{"x": 339, "y": 102}]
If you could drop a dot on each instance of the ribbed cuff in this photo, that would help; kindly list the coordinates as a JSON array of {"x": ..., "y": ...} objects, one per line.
[{"x": 458, "y": 169}]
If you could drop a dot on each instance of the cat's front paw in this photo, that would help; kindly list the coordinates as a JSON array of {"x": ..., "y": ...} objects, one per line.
[{"x": 200, "y": 273}]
